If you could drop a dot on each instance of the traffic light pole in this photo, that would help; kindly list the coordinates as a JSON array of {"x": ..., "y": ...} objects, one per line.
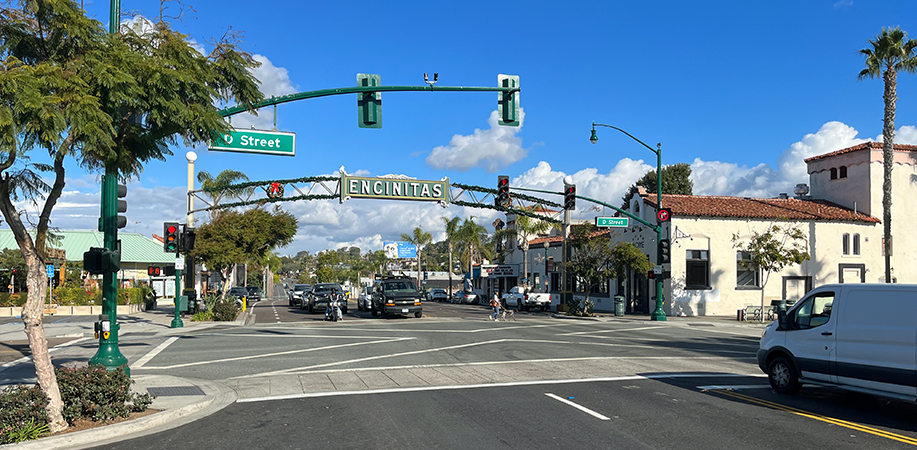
[
  {"x": 177, "y": 322},
  {"x": 109, "y": 355},
  {"x": 658, "y": 314}
]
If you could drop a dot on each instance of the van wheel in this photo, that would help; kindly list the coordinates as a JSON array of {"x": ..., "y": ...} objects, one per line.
[
  {"x": 783, "y": 376},
  {"x": 418, "y": 314}
]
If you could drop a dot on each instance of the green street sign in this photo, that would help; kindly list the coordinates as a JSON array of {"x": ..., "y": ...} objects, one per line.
[
  {"x": 394, "y": 189},
  {"x": 256, "y": 141},
  {"x": 616, "y": 222}
]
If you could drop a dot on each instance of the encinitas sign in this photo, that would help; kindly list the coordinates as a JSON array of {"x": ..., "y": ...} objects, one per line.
[{"x": 394, "y": 189}]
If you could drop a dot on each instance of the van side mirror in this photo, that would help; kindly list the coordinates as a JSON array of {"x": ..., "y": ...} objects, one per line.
[{"x": 781, "y": 320}]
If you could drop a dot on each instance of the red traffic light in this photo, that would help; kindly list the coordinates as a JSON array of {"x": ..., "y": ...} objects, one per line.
[
  {"x": 153, "y": 271},
  {"x": 171, "y": 229}
]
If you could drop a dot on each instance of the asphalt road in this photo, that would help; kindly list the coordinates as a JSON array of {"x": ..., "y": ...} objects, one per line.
[
  {"x": 662, "y": 413},
  {"x": 454, "y": 379}
]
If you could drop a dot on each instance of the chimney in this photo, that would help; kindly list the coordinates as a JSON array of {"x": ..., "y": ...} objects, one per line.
[{"x": 783, "y": 196}]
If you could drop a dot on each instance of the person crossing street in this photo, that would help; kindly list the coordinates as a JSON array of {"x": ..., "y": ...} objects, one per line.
[{"x": 495, "y": 303}]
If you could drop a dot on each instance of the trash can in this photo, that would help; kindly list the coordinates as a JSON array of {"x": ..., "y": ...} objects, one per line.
[
  {"x": 183, "y": 303},
  {"x": 619, "y": 306}
]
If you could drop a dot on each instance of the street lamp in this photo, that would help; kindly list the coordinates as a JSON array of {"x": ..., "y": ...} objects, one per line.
[{"x": 658, "y": 314}]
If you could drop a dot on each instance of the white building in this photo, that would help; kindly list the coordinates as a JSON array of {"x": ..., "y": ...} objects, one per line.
[{"x": 840, "y": 218}]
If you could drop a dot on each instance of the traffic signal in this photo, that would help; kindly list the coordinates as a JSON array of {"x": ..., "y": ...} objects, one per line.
[
  {"x": 99, "y": 260},
  {"x": 508, "y": 102},
  {"x": 187, "y": 239},
  {"x": 665, "y": 251},
  {"x": 122, "y": 205},
  {"x": 369, "y": 104},
  {"x": 570, "y": 197},
  {"x": 503, "y": 199},
  {"x": 154, "y": 271},
  {"x": 170, "y": 235},
  {"x": 168, "y": 271}
]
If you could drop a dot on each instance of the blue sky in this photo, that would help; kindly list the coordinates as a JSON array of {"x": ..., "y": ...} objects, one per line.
[{"x": 743, "y": 91}]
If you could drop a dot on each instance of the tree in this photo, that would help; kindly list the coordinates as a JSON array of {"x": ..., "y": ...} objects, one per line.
[
  {"x": 595, "y": 261},
  {"x": 113, "y": 102},
  {"x": 472, "y": 237},
  {"x": 420, "y": 238},
  {"x": 452, "y": 235},
  {"x": 14, "y": 268},
  {"x": 218, "y": 188},
  {"x": 237, "y": 237},
  {"x": 676, "y": 179},
  {"x": 891, "y": 52},
  {"x": 524, "y": 228},
  {"x": 771, "y": 250}
]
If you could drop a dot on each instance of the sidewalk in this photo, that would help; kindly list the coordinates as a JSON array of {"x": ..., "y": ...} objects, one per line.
[{"x": 181, "y": 400}]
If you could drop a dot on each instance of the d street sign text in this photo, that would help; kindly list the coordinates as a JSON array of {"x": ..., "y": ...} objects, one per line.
[
  {"x": 256, "y": 141},
  {"x": 617, "y": 222}
]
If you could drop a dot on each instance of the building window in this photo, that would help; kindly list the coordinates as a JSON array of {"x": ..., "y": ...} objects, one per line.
[
  {"x": 697, "y": 270},
  {"x": 843, "y": 173},
  {"x": 746, "y": 271},
  {"x": 833, "y": 173},
  {"x": 845, "y": 244},
  {"x": 856, "y": 244}
]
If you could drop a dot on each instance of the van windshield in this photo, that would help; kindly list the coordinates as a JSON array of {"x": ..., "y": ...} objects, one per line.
[{"x": 399, "y": 287}]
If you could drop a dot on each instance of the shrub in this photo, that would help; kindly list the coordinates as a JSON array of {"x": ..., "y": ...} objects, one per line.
[
  {"x": 17, "y": 299},
  {"x": 202, "y": 316},
  {"x": 97, "y": 394},
  {"x": 22, "y": 413},
  {"x": 225, "y": 310},
  {"x": 71, "y": 296}
]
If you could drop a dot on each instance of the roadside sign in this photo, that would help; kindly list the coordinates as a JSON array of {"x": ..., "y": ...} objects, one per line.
[
  {"x": 664, "y": 214},
  {"x": 616, "y": 222},
  {"x": 256, "y": 141},
  {"x": 180, "y": 262},
  {"x": 50, "y": 268},
  {"x": 657, "y": 270}
]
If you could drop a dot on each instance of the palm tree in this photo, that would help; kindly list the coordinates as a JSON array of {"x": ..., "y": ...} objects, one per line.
[
  {"x": 472, "y": 237},
  {"x": 523, "y": 228},
  {"x": 891, "y": 51},
  {"x": 420, "y": 238},
  {"x": 225, "y": 178},
  {"x": 452, "y": 227}
]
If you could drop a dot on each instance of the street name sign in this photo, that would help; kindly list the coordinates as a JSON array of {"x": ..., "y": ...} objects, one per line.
[
  {"x": 394, "y": 189},
  {"x": 616, "y": 222},
  {"x": 256, "y": 141}
]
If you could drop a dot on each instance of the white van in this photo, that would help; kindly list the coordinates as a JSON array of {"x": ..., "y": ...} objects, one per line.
[{"x": 861, "y": 337}]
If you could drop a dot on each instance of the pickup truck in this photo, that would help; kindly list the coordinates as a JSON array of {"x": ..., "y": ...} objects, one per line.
[{"x": 517, "y": 297}]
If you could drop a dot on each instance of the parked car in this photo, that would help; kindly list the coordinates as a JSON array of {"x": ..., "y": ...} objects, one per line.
[
  {"x": 321, "y": 296},
  {"x": 254, "y": 293},
  {"x": 518, "y": 297},
  {"x": 240, "y": 293},
  {"x": 364, "y": 302},
  {"x": 396, "y": 295},
  {"x": 463, "y": 297},
  {"x": 437, "y": 295},
  {"x": 299, "y": 293},
  {"x": 860, "y": 337}
]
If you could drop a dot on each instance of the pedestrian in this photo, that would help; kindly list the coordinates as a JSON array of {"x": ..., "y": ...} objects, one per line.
[{"x": 495, "y": 303}]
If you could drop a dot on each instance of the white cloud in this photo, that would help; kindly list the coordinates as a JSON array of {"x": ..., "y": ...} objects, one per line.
[
  {"x": 272, "y": 81},
  {"x": 724, "y": 178},
  {"x": 492, "y": 149}
]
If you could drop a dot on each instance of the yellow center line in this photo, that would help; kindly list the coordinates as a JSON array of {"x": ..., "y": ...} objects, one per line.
[{"x": 831, "y": 420}]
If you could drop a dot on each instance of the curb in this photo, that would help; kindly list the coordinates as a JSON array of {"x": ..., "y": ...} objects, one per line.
[{"x": 216, "y": 398}]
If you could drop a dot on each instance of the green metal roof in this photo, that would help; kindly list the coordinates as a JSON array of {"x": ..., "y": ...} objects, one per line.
[{"x": 135, "y": 247}]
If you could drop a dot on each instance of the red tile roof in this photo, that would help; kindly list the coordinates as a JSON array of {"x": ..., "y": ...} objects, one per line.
[
  {"x": 864, "y": 146},
  {"x": 552, "y": 239},
  {"x": 758, "y": 208}
]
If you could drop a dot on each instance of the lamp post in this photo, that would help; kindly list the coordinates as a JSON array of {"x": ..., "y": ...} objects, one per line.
[{"x": 658, "y": 314}]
